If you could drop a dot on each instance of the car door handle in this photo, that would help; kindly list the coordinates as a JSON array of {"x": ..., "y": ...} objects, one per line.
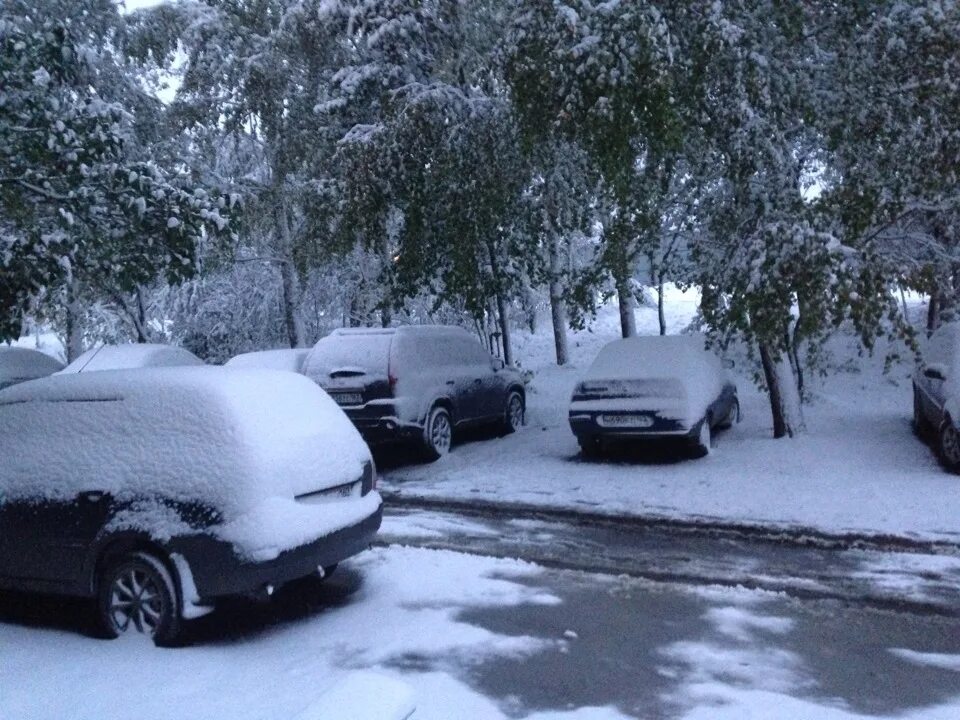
[
  {"x": 478, "y": 381},
  {"x": 451, "y": 382},
  {"x": 92, "y": 496}
]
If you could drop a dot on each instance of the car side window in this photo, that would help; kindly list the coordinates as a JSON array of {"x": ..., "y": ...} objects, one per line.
[{"x": 942, "y": 351}]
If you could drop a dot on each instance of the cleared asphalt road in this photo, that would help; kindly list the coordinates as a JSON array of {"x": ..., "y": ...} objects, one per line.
[{"x": 915, "y": 582}]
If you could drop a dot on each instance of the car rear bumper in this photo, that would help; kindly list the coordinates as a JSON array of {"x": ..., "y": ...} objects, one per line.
[
  {"x": 590, "y": 425},
  {"x": 382, "y": 428},
  {"x": 218, "y": 571}
]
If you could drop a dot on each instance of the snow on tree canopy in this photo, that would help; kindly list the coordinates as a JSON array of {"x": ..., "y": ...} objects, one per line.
[
  {"x": 129, "y": 357},
  {"x": 689, "y": 373},
  {"x": 21, "y": 364},
  {"x": 244, "y": 442},
  {"x": 282, "y": 359}
]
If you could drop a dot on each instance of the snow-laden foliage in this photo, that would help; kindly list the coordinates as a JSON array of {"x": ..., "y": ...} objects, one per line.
[{"x": 76, "y": 201}]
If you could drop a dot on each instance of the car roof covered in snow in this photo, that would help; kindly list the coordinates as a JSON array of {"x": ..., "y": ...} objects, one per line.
[
  {"x": 21, "y": 364},
  {"x": 403, "y": 330},
  {"x": 230, "y": 438},
  {"x": 129, "y": 357},
  {"x": 655, "y": 356},
  {"x": 290, "y": 359}
]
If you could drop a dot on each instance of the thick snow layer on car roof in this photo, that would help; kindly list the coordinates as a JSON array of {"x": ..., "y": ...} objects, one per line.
[
  {"x": 238, "y": 440},
  {"x": 655, "y": 356},
  {"x": 128, "y": 357},
  {"x": 675, "y": 360},
  {"x": 354, "y": 353},
  {"x": 282, "y": 359},
  {"x": 19, "y": 364}
]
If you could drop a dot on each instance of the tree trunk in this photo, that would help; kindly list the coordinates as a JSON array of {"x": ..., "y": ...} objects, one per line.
[
  {"x": 903, "y": 302},
  {"x": 502, "y": 314},
  {"x": 386, "y": 308},
  {"x": 782, "y": 390},
  {"x": 74, "y": 324},
  {"x": 141, "y": 311},
  {"x": 933, "y": 313},
  {"x": 290, "y": 283},
  {"x": 558, "y": 307},
  {"x": 628, "y": 321},
  {"x": 661, "y": 311}
]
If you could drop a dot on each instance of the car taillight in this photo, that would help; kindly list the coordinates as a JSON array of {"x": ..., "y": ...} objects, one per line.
[{"x": 392, "y": 379}]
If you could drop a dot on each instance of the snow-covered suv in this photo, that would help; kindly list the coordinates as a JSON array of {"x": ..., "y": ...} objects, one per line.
[
  {"x": 416, "y": 382},
  {"x": 160, "y": 491}
]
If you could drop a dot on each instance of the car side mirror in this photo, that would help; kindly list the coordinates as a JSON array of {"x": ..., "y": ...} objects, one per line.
[
  {"x": 728, "y": 364},
  {"x": 498, "y": 364},
  {"x": 935, "y": 372}
]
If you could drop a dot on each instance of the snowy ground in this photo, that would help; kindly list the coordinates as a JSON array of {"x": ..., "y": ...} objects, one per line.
[
  {"x": 858, "y": 470},
  {"x": 483, "y": 639}
]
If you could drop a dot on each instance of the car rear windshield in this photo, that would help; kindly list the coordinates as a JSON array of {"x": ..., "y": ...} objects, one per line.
[{"x": 350, "y": 354}]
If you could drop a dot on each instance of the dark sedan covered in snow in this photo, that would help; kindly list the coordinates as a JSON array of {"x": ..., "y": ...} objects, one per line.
[{"x": 661, "y": 387}]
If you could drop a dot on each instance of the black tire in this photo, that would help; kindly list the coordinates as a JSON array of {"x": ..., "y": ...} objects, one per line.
[
  {"x": 591, "y": 448},
  {"x": 437, "y": 434},
  {"x": 514, "y": 411},
  {"x": 949, "y": 446},
  {"x": 136, "y": 593},
  {"x": 733, "y": 416},
  {"x": 702, "y": 441},
  {"x": 920, "y": 425}
]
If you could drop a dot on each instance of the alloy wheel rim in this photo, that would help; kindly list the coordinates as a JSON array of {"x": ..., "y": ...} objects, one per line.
[
  {"x": 136, "y": 602},
  {"x": 516, "y": 412},
  {"x": 440, "y": 433}
]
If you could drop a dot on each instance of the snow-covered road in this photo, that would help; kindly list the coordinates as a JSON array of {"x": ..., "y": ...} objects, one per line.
[{"x": 483, "y": 639}]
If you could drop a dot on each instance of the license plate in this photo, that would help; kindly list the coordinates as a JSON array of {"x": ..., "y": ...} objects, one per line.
[
  {"x": 627, "y": 421},
  {"x": 333, "y": 494},
  {"x": 347, "y": 398}
]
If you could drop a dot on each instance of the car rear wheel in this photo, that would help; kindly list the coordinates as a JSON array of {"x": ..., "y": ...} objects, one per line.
[
  {"x": 590, "y": 447},
  {"x": 704, "y": 439},
  {"x": 137, "y": 596},
  {"x": 950, "y": 446},
  {"x": 513, "y": 414},
  {"x": 438, "y": 434},
  {"x": 733, "y": 416}
]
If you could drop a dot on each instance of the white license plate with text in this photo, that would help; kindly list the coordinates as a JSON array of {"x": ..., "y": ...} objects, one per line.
[{"x": 626, "y": 421}]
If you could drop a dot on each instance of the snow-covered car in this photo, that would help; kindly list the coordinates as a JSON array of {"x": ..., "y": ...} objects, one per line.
[
  {"x": 132, "y": 356},
  {"x": 936, "y": 394},
  {"x": 416, "y": 383},
  {"x": 653, "y": 388},
  {"x": 289, "y": 359},
  {"x": 18, "y": 365},
  {"x": 161, "y": 491}
]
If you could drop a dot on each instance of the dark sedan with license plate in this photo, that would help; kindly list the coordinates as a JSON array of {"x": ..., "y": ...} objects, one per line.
[{"x": 653, "y": 388}]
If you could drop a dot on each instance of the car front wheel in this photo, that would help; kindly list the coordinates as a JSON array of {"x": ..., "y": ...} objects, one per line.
[
  {"x": 137, "y": 595},
  {"x": 733, "y": 415},
  {"x": 704, "y": 439},
  {"x": 920, "y": 425},
  {"x": 950, "y": 446}
]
